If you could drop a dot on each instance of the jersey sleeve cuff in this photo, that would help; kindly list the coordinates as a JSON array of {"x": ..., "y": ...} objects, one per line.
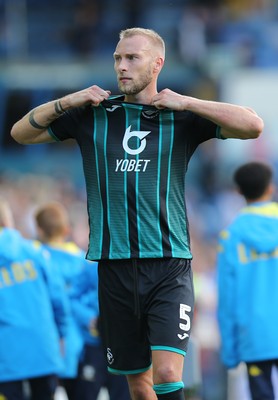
[
  {"x": 51, "y": 133},
  {"x": 218, "y": 133}
]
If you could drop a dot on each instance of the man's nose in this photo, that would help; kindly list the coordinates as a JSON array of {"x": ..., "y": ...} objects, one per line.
[{"x": 122, "y": 65}]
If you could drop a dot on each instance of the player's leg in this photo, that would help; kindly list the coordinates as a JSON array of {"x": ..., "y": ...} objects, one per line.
[
  {"x": 167, "y": 375},
  {"x": 69, "y": 385},
  {"x": 91, "y": 373},
  {"x": 11, "y": 390},
  {"x": 141, "y": 386},
  {"x": 43, "y": 387},
  {"x": 124, "y": 332},
  {"x": 117, "y": 387},
  {"x": 163, "y": 382},
  {"x": 170, "y": 315},
  {"x": 259, "y": 376}
]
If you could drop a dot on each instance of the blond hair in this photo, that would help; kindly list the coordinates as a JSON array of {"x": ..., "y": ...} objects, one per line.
[{"x": 153, "y": 36}]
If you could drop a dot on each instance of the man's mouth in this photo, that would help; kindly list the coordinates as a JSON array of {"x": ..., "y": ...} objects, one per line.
[{"x": 124, "y": 79}]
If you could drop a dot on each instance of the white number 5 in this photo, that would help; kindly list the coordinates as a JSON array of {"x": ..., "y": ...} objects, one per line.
[{"x": 184, "y": 309}]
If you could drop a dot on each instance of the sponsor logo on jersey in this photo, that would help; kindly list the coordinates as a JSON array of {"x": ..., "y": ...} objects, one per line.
[
  {"x": 131, "y": 165},
  {"x": 136, "y": 165},
  {"x": 139, "y": 134}
]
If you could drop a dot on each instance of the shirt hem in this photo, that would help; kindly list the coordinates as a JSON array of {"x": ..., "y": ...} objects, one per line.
[{"x": 126, "y": 256}]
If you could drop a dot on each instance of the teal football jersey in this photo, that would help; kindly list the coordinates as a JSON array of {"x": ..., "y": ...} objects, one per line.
[{"x": 135, "y": 159}]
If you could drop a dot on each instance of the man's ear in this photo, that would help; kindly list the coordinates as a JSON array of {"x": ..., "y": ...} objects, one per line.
[{"x": 159, "y": 62}]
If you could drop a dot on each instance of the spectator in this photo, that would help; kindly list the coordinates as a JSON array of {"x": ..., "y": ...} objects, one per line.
[{"x": 247, "y": 278}]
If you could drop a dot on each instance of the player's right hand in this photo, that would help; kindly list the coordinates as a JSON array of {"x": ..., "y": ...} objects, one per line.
[{"x": 93, "y": 95}]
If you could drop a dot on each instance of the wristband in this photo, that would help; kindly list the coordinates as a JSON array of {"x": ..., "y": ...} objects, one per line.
[{"x": 58, "y": 107}]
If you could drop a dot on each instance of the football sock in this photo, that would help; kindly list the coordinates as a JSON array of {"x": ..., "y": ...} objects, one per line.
[
  {"x": 169, "y": 391},
  {"x": 176, "y": 395}
]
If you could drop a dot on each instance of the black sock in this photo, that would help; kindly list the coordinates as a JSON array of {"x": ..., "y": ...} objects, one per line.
[{"x": 176, "y": 395}]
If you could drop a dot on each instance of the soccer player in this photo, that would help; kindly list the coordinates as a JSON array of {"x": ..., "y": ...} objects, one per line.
[
  {"x": 136, "y": 148},
  {"x": 247, "y": 266},
  {"x": 33, "y": 316}
]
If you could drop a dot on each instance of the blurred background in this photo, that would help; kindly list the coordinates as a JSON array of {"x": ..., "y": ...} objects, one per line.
[{"x": 219, "y": 50}]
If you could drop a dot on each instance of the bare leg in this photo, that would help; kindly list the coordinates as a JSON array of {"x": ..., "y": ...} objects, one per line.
[
  {"x": 167, "y": 366},
  {"x": 141, "y": 386}
]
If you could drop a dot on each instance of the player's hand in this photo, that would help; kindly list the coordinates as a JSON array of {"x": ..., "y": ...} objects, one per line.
[
  {"x": 93, "y": 95},
  {"x": 169, "y": 99}
]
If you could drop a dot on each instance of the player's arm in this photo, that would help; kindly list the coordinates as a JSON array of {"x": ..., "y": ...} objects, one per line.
[
  {"x": 33, "y": 127},
  {"x": 235, "y": 121}
]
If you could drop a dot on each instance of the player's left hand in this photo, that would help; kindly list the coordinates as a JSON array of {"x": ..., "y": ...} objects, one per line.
[{"x": 169, "y": 99}]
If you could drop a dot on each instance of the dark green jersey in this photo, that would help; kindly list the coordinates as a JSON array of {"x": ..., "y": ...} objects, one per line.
[{"x": 135, "y": 159}]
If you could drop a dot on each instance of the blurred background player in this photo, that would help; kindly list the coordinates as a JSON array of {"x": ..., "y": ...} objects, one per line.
[
  {"x": 247, "y": 281},
  {"x": 33, "y": 316},
  {"x": 67, "y": 260}
]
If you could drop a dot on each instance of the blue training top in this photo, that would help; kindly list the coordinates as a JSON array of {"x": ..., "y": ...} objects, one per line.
[
  {"x": 84, "y": 301},
  {"x": 247, "y": 285},
  {"x": 67, "y": 261}
]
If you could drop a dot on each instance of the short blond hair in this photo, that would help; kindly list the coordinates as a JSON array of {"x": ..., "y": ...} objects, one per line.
[{"x": 153, "y": 36}]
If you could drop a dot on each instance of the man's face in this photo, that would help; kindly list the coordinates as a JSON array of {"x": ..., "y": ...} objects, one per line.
[{"x": 134, "y": 60}]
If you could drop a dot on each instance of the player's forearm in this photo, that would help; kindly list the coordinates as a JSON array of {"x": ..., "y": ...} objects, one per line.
[
  {"x": 32, "y": 128},
  {"x": 235, "y": 121}
]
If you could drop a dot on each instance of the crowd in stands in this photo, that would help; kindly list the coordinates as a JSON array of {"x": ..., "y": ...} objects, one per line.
[{"x": 245, "y": 31}]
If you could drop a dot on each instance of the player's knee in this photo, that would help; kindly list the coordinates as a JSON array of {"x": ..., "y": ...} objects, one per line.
[{"x": 165, "y": 373}]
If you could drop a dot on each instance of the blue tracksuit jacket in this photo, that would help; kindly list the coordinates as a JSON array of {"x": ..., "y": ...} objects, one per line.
[
  {"x": 68, "y": 260},
  {"x": 247, "y": 266},
  {"x": 84, "y": 302}
]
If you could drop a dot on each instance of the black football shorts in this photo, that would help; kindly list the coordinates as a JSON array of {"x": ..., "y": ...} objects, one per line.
[{"x": 145, "y": 305}]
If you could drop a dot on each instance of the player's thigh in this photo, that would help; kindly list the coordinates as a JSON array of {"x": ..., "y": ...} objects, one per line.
[
  {"x": 170, "y": 310},
  {"x": 124, "y": 335}
]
